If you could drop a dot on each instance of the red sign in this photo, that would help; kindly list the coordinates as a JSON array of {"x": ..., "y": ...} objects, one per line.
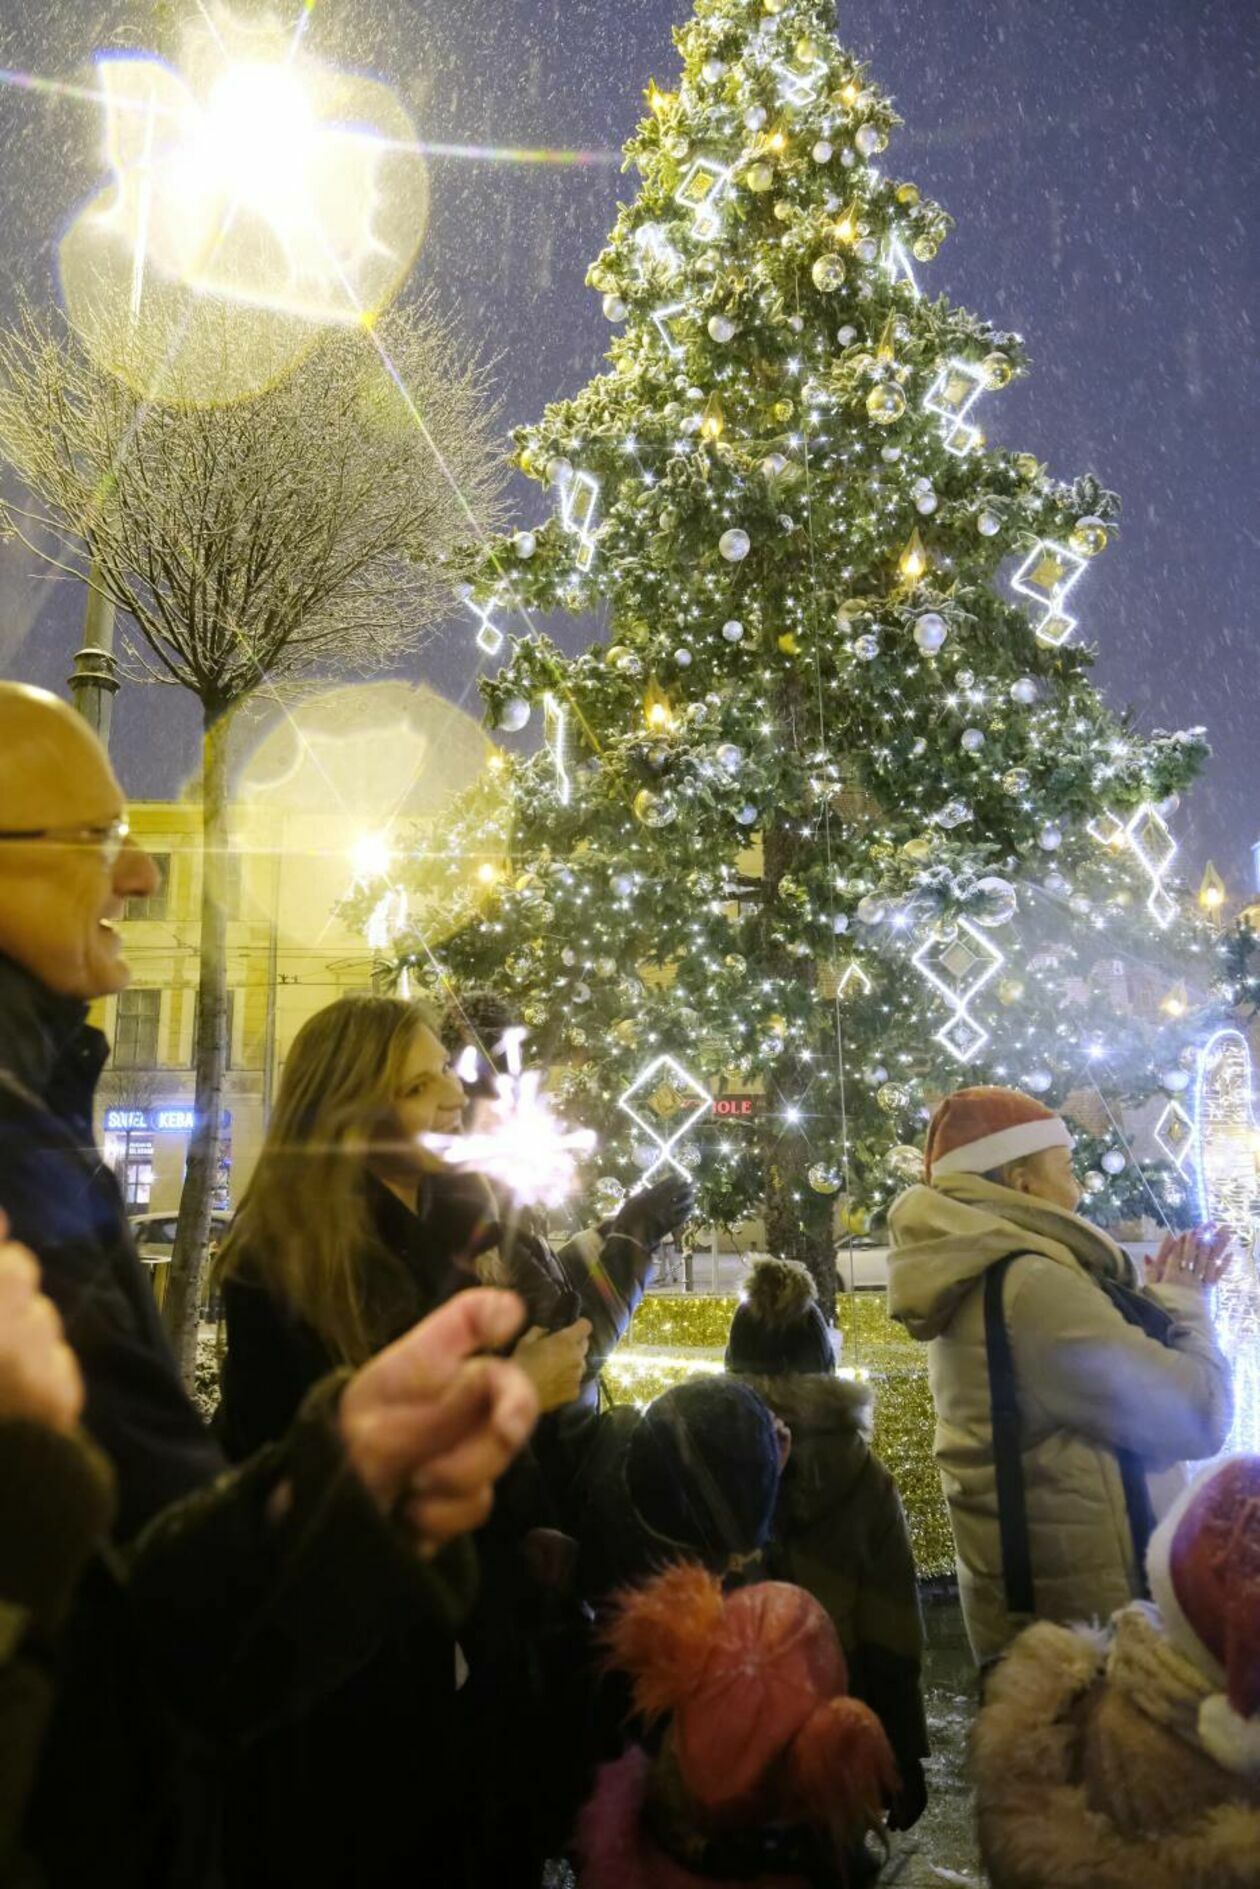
[{"x": 737, "y": 1107}]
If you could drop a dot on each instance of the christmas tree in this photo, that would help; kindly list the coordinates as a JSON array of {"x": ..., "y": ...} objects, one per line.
[{"x": 832, "y": 818}]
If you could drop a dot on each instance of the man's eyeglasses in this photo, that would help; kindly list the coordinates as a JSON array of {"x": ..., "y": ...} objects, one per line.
[{"x": 108, "y": 839}]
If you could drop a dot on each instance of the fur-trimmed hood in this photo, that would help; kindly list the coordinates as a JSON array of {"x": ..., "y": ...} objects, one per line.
[
  {"x": 830, "y": 1419},
  {"x": 1088, "y": 1774}
]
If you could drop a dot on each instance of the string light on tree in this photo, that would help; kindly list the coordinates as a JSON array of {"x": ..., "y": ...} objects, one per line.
[
  {"x": 579, "y": 502},
  {"x": 1048, "y": 575},
  {"x": 685, "y": 1084},
  {"x": 958, "y": 961},
  {"x": 556, "y": 736},
  {"x": 1226, "y": 1164}
]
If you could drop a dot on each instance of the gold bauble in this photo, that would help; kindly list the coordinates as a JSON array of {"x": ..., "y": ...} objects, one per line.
[
  {"x": 908, "y": 194},
  {"x": 773, "y": 6},
  {"x": 783, "y": 409},
  {"x": 998, "y": 371},
  {"x": 1027, "y": 466},
  {"x": 924, "y": 248},
  {"x": 919, "y": 850},
  {"x": 886, "y": 403},
  {"x": 805, "y": 52},
  {"x": 1088, "y": 537},
  {"x": 1010, "y": 990},
  {"x": 626, "y": 1031},
  {"x": 760, "y": 177}
]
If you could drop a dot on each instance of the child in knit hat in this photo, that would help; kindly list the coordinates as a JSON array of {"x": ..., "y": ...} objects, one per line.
[
  {"x": 1060, "y": 1386},
  {"x": 755, "y": 1767},
  {"x": 1131, "y": 1760},
  {"x": 839, "y": 1529}
]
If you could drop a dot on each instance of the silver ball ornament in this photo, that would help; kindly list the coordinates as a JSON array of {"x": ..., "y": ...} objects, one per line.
[
  {"x": 1024, "y": 691},
  {"x": 733, "y": 630},
  {"x": 524, "y": 543},
  {"x": 1113, "y": 1162},
  {"x": 721, "y": 328},
  {"x": 734, "y": 545},
  {"x": 513, "y": 714},
  {"x": 1050, "y": 837},
  {"x": 972, "y": 740},
  {"x": 930, "y": 632}
]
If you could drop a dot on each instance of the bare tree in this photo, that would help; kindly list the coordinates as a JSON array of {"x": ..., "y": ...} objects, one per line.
[{"x": 316, "y": 528}]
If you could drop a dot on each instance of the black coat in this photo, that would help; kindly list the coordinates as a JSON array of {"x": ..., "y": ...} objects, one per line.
[{"x": 206, "y": 1619}]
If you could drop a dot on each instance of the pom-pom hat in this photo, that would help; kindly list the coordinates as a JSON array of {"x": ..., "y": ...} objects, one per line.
[
  {"x": 1204, "y": 1568},
  {"x": 975, "y": 1130},
  {"x": 778, "y": 1328}
]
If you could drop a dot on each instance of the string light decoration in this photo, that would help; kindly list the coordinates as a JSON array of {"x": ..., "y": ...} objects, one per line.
[
  {"x": 665, "y": 1144},
  {"x": 1048, "y": 575},
  {"x": 556, "y": 736},
  {"x": 516, "y": 1139},
  {"x": 701, "y": 191},
  {"x": 952, "y": 395},
  {"x": 489, "y": 638},
  {"x": 1175, "y": 1135},
  {"x": 579, "y": 502},
  {"x": 1226, "y": 1164},
  {"x": 1146, "y": 835},
  {"x": 859, "y": 727},
  {"x": 959, "y": 962}
]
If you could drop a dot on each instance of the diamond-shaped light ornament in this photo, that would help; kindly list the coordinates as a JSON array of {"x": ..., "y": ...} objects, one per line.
[
  {"x": 643, "y": 1084},
  {"x": 1108, "y": 831},
  {"x": 489, "y": 637},
  {"x": 1047, "y": 575},
  {"x": 959, "y": 962},
  {"x": 667, "y": 321},
  {"x": 797, "y": 85},
  {"x": 1175, "y": 1132},
  {"x": 656, "y": 250},
  {"x": 898, "y": 267},
  {"x": 952, "y": 395},
  {"x": 701, "y": 191},
  {"x": 579, "y": 501},
  {"x": 1155, "y": 849},
  {"x": 556, "y": 736}
]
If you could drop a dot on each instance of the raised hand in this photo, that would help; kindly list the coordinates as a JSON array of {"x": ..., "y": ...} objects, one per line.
[
  {"x": 555, "y": 1362},
  {"x": 39, "y": 1374},
  {"x": 430, "y": 1424},
  {"x": 1197, "y": 1258},
  {"x": 658, "y": 1210}
]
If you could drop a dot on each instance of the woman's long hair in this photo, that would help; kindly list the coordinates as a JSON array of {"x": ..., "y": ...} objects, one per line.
[{"x": 303, "y": 1231}]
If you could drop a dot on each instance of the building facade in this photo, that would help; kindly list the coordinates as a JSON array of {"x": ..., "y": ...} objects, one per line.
[{"x": 289, "y": 954}]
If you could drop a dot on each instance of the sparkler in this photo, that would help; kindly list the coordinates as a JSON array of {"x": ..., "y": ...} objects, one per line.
[{"x": 516, "y": 1139}]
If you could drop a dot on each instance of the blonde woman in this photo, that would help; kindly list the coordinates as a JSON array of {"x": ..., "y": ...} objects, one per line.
[{"x": 350, "y": 1231}]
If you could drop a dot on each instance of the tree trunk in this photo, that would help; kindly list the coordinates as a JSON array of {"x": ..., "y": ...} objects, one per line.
[
  {"x": 184, "y": 1291},
  {"x": 799, "y": 1221}
]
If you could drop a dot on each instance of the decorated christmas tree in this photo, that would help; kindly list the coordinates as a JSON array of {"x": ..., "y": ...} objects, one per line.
[{"x": 831, "y": 818}]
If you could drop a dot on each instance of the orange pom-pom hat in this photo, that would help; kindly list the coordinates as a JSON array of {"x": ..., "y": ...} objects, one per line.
[{"x": 975, "y": 1130}]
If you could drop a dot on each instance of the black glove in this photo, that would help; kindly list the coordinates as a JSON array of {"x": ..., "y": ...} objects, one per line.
[{"x": 658, "y": 1210}]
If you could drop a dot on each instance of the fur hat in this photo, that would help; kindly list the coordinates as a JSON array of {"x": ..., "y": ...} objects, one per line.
[
  {"x": 1204, "y": 1569},
  {"x": 755, "y": 1686},
  {"x": 778, "y": 1327},
  {"x": 975, "y": 1130},
  {"x": 702, "y": 1469}
]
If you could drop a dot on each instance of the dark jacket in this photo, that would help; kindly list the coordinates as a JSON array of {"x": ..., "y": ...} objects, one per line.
[
  {"x": 840, "y": 1532},
  {"x": 399, "y": 1718},
  {"x": 211, "y": 1615}
]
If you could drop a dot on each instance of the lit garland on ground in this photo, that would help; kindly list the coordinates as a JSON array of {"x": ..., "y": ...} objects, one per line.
[{"x": 860, "y": 733}]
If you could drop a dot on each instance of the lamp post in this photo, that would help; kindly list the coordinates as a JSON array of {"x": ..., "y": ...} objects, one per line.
[{"x": 94, "y": 683}]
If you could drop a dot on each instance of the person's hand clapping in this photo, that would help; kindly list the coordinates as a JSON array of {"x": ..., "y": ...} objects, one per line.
[
  {"x": 555, "y": 1362},
  {"x": 430, "y": 1424},
  {"x": 1197, "y": 1258},
  {"x": 39, "y": 1373}
]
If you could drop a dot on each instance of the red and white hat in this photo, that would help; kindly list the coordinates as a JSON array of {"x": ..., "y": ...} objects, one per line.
[
  {"x": 1204, "y": 1569},
  {"x": 974, "y": 1130}
]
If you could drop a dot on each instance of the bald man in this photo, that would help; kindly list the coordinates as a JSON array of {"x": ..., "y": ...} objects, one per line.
[{"x": 245, "y": 1594}]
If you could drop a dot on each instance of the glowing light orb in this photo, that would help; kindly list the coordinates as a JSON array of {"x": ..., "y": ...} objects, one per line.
[
  {"x": 255, "y": 178},
  {"x": 516, "y": 1139}
]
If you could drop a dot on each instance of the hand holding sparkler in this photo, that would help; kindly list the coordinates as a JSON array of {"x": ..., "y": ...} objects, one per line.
[{"x": 516, "y": 1139}]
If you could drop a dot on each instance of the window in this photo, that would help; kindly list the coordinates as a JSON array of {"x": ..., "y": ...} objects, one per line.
[
  {"x": 136, "y": 1029},
  {"x": 155, "y": 906}
]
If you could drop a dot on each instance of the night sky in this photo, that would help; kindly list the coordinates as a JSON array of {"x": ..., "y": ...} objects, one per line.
[{"x": 1103, "y": 165}]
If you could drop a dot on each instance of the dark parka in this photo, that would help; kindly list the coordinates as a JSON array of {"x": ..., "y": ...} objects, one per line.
[
  {"x": 213, "y": 1611},
  {"x": 840, "y": 1532}
]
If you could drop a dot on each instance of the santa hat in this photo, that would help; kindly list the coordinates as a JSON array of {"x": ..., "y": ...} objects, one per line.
[
  {"x": 1204, "y": 1569},
  {"x": 975, "y": 1130}
]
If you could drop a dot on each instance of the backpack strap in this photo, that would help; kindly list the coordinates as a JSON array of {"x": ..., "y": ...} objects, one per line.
[{"x": 1008, "y": 1462}]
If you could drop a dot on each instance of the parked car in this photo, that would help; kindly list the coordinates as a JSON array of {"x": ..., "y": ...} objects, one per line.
[{"x": 154, "y": 1234}]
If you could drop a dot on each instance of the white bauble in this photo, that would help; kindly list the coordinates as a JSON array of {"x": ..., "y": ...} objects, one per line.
[{"x": 734, "y": 545}]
